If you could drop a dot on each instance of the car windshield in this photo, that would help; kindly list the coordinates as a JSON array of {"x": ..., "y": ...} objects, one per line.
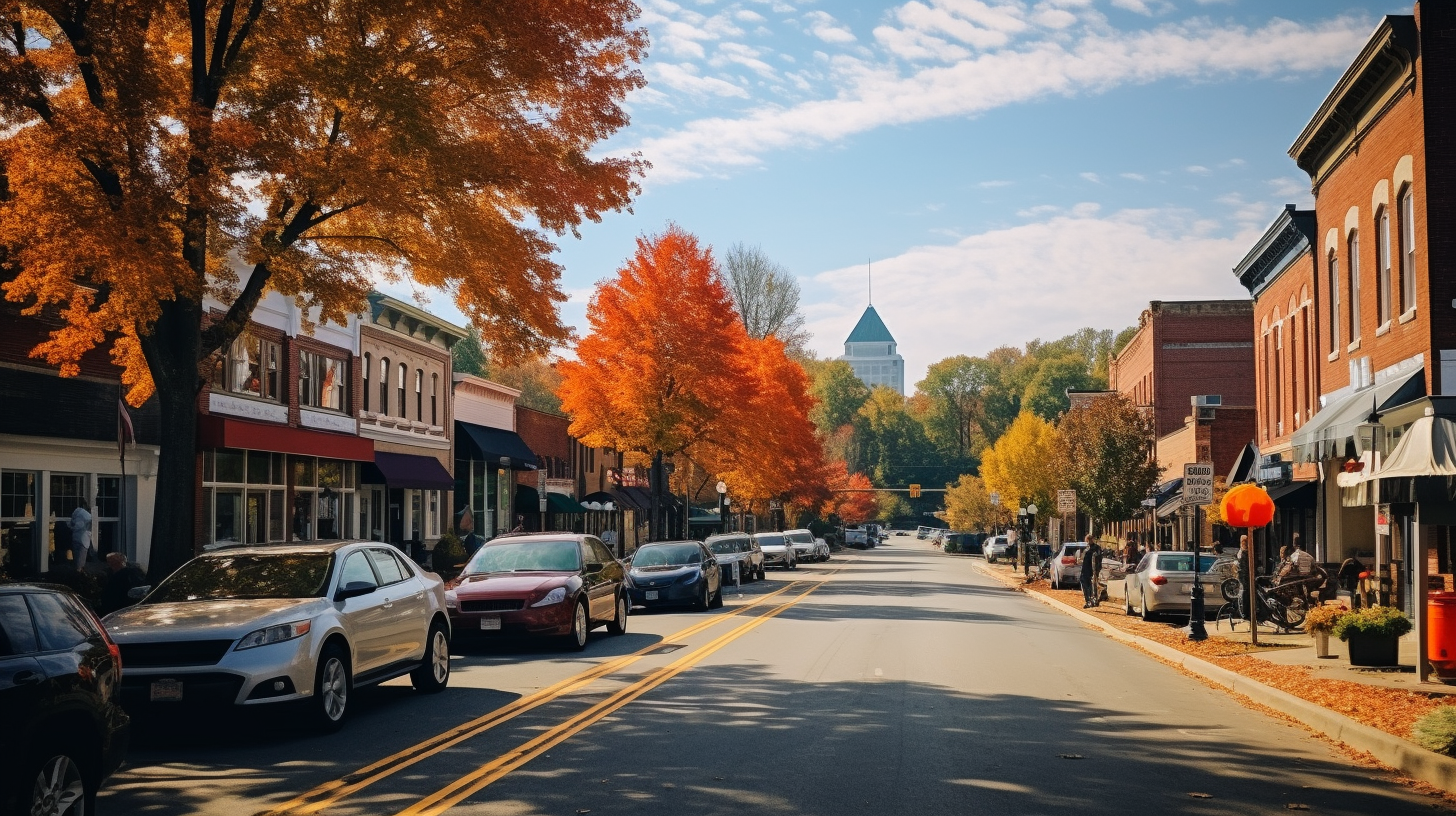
[
  {"x": 666, "y": 555},
  {"x": 770, "y": 540},
  {"x": 727, "y": 546},
  {"x": 247, "y": 575},
  {"x": 801, "y": 538},
  {"x": 1183, "y": 562},
  {"x": 527, "y": 556}
]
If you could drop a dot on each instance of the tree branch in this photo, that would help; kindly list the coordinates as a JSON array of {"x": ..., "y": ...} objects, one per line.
[{"x": 388, "y": 241}]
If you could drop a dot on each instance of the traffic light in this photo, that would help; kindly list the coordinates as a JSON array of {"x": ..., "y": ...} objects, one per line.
[{"x": 915, "y": 491}]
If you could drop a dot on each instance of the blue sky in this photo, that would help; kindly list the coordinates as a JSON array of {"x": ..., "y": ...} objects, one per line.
[{"x": 1013, "y": 168}]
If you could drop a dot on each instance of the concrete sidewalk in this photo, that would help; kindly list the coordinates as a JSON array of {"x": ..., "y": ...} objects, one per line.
[{"x": 1396, "y": 752}]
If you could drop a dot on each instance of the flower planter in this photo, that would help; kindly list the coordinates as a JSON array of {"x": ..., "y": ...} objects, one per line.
[
  {"x": 1374, "y": 650},
  {"x": 1321, "y": 643}
]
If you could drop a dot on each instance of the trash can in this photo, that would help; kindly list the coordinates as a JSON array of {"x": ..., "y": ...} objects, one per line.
[{"x": 1441, "y": 639}]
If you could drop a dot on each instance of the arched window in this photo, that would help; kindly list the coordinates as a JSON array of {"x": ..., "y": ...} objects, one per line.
[
  {"x": 1352, "y": 262},
  {"x": 368, "y": 366},
  {"x": 384, "y": 386},
  {"x": 1407, "y": 250},
  {"x": 419, "y": 395},
  {"x": 1334, "y": 264},
  {"x": 1382, "y": 267},
  {"x": 434, "y": 399},
  {"x": 403, "y": 372}
]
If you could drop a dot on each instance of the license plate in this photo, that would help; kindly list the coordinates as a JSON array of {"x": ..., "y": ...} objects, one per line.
[
  {"x": 166, "y": 691},
  {"x": 490, "y": 623},
  {"x": 1187, "y": 590},
  {"x": 651, "y": 594}
]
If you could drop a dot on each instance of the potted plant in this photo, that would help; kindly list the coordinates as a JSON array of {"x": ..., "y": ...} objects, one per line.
[
  {"x": 1319, "y": 622},
  {"x": 1373, "y": 634}
]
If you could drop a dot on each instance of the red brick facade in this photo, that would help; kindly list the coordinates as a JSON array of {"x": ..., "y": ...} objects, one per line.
[{"x": 545, "y": 434}]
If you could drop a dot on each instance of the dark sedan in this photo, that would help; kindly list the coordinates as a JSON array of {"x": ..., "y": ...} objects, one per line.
[
  {"x": 546, "y": 585},
  {"x": 670, "y": 573},
  {"x": 60, "y": 674}
]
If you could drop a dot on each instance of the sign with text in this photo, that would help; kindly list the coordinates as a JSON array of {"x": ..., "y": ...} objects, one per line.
[
  {"x": 1198, "y": 483},
  {"x": 1066, "y": 501},
  {"x": 995, "y": 499}
]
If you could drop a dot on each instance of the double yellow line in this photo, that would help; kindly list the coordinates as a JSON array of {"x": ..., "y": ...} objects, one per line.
[
  {"x": 327, "y": 794},
  {"x": 452, "y": 794}
]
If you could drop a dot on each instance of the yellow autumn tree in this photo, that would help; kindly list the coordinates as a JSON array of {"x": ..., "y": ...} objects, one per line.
[
  {"x": 152, "y": 154},
  {"x": 968, "y": 506},
  {"x": 1023, "y": 464}
]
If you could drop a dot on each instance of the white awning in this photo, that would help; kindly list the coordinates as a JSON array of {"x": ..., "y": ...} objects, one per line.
[
  {"x": 1428, "y": 448},
  {"x": 1325, "y": 434}
]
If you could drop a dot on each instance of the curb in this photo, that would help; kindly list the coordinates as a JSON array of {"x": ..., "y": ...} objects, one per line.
[{"x": 1403, "y": 755}]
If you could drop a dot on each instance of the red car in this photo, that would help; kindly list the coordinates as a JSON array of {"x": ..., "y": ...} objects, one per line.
[{"x": 544, "y": 585}]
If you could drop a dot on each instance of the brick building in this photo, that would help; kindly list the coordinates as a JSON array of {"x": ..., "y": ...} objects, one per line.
[
  {"x": 1380, "y": 162},
  {"x": 58, "y": 448}
]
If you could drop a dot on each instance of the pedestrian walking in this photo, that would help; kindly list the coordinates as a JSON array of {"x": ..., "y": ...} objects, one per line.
[
  {"x": 80, "y": 535},
  {"x": 121, "y": 579},
  {"x": 1091, "y": 563}
]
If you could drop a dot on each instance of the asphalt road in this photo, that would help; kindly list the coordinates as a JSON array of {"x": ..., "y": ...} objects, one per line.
[{"x": 894, "y": 681}]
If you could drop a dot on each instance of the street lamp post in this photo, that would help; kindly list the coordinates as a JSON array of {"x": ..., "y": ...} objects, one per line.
[
  {"x": 1030, "y": 535},
  {"x": 722, "y": 506},
  {"x": 1196, "y": 628}
]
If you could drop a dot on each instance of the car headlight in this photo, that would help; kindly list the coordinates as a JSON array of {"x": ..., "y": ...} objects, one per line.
[
  {"x": 451, "y": 602},
  {"x": 274, "y": 634},
  {"x": 690, "y": 577},
  {"x": 555, "y": 596}
]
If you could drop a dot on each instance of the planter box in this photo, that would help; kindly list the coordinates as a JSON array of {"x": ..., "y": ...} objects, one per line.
[{"x": 1369, "y": 650}]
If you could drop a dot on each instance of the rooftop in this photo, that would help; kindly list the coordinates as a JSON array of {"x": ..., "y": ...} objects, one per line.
[{"x": 870, "y": 329}]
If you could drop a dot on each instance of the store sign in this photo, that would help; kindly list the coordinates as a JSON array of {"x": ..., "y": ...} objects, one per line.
[
  {"x": 1066, "y": 501},
  {"x": 1382, "y": 522},
  {"x": 1197, "y": 483}
]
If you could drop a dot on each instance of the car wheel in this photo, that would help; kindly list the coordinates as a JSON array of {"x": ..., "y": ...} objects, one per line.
[
  {"x": 433, "y": 675},
  {"x": 59, "y": 784},
  {"x": 762, "y": 573},
  {"x": 717, "y": 602},
  {"x": 618, "y": 624},
  {"x": 1148, "y": 614},
  {"x": 575, "y": 640},
  {"x": 704, "y": 597},
  {"x": 793, "y": 563},
  {"x": 331, "y": 686},
  {"x": 1126, "y": 604}
]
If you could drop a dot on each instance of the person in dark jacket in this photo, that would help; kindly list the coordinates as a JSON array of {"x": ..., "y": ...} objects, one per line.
[
  {"x": 1091, "y": 563},
  {"x": 121, "y": 578}
]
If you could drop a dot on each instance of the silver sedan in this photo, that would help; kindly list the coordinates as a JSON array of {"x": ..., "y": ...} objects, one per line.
[
  {"x": 1161, "y": 582},
  {"x": 264, "y": 625}
]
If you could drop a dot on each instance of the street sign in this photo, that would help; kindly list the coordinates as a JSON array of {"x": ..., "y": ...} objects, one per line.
[
  {"x": 995, "y": 499},
  {"x": 541, "y": 488},
  {"x": 1066, "y": 501},
  {"x": 1198, "y": 483}
]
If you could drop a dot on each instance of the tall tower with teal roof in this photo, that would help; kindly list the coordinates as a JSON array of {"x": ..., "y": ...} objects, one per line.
[{"x": 870, "y": 351}]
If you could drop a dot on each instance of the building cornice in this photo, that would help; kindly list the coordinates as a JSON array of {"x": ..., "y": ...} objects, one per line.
[
  {"x": 1389, "y": 53},
  {"x": 1291, "y": 235},
  {"x": 481, "y": 387},
  {"x": 395, "y": 315}
]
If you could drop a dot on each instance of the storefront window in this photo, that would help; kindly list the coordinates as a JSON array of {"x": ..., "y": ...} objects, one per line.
[
  {"x": 109, "y": 537},
  {"x": 303, "y": 470},
  {"x": 17, "y": 522},
  {"x": 252, "y": 506},
  {"x": 434, "y": 513},
  {"x": 322, "y": 381},
  {"x": 227, "y": 516},
  {"x": 68, "y": 491},
  {"x": 249, "y": 366},
  {"x": 417, "y": 516},
  {"x": 231, "y": 467}
]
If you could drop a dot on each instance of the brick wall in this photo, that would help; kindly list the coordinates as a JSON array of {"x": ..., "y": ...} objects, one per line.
[
  {"x": 1287, "y": 357},
  {"x": 545, "y": 434}
]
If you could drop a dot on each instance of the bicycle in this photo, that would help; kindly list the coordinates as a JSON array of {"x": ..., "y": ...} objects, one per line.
[{"x": 1283, "y": 605}]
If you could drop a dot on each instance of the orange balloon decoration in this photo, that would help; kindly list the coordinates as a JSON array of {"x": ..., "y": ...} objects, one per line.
[{"x": 1247, "y": 505}]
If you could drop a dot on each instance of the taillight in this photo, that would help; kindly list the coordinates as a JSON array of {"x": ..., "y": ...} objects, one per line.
[
  {"x": 111, "y": 646},
  {"x": 1158, "y": 580},
  {"x": 1068, "y": 560}
]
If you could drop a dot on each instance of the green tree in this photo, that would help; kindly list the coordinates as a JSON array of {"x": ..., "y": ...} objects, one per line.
[
  {"x": 968, "y": 506},
  {"x": 840, "y": 395},
  {"x": 1046, "y": 393},
  {"x": 1106, "y": 451},
  {"x": 467, "y": 355},
  {"x": 955, "y": 390},
  {"x": 895, "y": 445}
]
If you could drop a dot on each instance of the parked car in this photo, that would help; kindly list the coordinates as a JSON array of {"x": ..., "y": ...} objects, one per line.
[
  {"x": 803, "y": 543},
  {"x": 559, "y": 585},
  {"x": 777, "y": 550},
  {"x": 859, "y": 538},
  {"x": 996, "y": 547},
  {"x": 1066, "y": 565},
  {"x": 668, "y": 573},
  {"x": 267, "y": 625},
  {"x": 922, "y": 532},
  {"x": 737, "y": 548},
  {"x": 1161, "y": 582},
  {"x": 64, "y": 728},
  {"x": 821, "y": 550}
]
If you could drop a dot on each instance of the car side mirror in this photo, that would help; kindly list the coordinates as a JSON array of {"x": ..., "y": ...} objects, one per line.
[
  {"x": 137, "y": 593},
  {"x": 354, "y": 589}
]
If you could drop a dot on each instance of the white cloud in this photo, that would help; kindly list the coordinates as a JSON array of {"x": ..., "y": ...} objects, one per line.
[
  {"x": 684, "y": 78},
  {"x": 748, "y": 16},
  {"x": 996, "y": 183},
  {"x": 740, "y": 54},
  {"x": 823, "y": 25},
  {"x": 1067, "y": 271},
  {"x": 869, "y": 95},
  {"x": 1092, "y": 177},
  {"x": 1198, "y": 170},
  {"x": 1039, "y": 210},
  {"x": 1134, "y": 176},
  {"x": 1292, "y": 190}
]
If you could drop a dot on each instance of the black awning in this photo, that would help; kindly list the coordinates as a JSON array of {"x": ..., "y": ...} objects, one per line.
[
  {"x": 492, "y": 444},
  {"x": 406, "y": 470},
  {"x": 1245, "y": 465},
  {"x": 1295, "y": 495},
  {"x": 562, "y": 503}
]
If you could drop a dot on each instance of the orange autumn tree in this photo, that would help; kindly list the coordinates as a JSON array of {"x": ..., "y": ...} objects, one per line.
[
  {"x": 772, "y": 451},
  {"x": 155, "y": 153},
  {"x": 662, "y": 368},
  {"x": 853, "y": 496}
]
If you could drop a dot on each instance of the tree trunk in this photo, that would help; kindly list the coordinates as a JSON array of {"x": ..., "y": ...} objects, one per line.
[
  {"x": 172, "y": 351},
  {"x": 655, "y": 525}
]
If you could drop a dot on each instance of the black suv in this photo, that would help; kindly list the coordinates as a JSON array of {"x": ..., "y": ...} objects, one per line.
[{"x": 60, "y": 675}]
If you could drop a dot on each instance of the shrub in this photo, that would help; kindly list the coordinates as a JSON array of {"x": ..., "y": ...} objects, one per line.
[
  {"x": 448, "y": 557},
  {"x": 1437, "y": 730},
  {"x": 1372, "y": 621},
  {"x": 1324, "y": 618}
]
